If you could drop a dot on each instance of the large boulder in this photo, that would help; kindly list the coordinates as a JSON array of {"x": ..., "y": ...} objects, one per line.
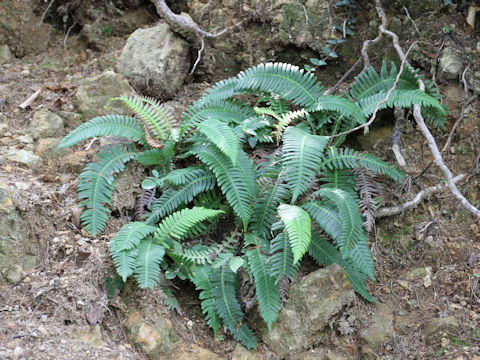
[
  {"x": 314, "y": 303},
  {"x": 155, "y": 61},
  {"x": 94, "y": 92}
]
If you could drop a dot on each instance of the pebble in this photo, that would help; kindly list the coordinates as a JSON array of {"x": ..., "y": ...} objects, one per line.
[
  {"x": 189, "y": 324},
  {"x": 403, "y": 284},
  {"x": 18, "y": 351},
  {"x": 25, "y": 72}
]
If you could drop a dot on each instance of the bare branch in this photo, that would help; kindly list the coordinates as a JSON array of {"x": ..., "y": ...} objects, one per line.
[
  {"x": 186, "y": 23},
  {"x": 395, "y": 210},
  {"x": 198, "y": 57}
]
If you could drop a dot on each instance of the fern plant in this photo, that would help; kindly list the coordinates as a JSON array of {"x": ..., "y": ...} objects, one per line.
[{"x": 300, "y": 198}]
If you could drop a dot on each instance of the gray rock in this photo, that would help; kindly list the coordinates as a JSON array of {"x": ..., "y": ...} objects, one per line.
[
  {"x": 3, "y": 129},
  {"x": 93, "y": 94},
  {"x": 46, "y": 148},
  {"x": 313, "y": 304},
  {"x": 45, "y": 124},
  {"x": 435, "y": 329},
  {"x": 241, "y": 353},
  {"x": 17, "y": 249},
  {"x": 5, "y": 54},
  {"x": 24, "y": 157},
  {"x": 72, "y": 119},
  {"x": 381, "y": 328},
  {"x": 451, "y": 64},
  {"x": 155, "y": 61},
  {"x": 127, "y": 187}
]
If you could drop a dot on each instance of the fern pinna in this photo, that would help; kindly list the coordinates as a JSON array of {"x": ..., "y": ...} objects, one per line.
[{"x": 300, "y": 198}]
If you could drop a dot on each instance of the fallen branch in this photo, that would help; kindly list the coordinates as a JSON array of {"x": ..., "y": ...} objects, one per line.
[
  {"x": 417, "y": 114},
  {"x": 395, "y": 210},
  {"x": 30, "y": 99},
  {"x": 184, "y": 22},
  {"x": 396, "y": 138}
]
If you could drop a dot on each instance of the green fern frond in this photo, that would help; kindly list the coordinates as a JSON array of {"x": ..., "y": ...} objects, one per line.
[
  {"x": 222, "y": 136},
  {"x": 339, "y": 179},
  {"x": 170, "y": 300},
  {"x": 281, "y": 260},
  {"x": 267, "y": 289},
  {"x": 222, "y": 90},
  {"x": 272, "y": 193},
  {"x": 362, "y": 256},
  {"x": 180, "y": 223},
  {"x": 298, "y": 225},
  {"x": 151, "y": 112},
  {"x": 326, "y": 254},
  {"x": 400, "y": 98},
  {"x": 351, "y": 218},
  {"x": 301, "y": 159},
  {"x": 350, "y": 159},
  {"x": 109, "y": 125},
  {"x": 201, "y": 276},
  {"x": 228, "y": 112},
  {"x": 289, "y": 82},
  {"x": 237, "y": 183},
  {"x": 160, "y": 157},
  {"x": 125, "y": 261},
  {"x": 96, "y": 185},
  {"x": 147, "y": 269},
  {"x": 341, "y": 105},
  {"x": 224, "y": 289},
  {"x": 130, "y": 235},
  {"x": 326, "y": 217},
  {"x": 196, "y": 181}
]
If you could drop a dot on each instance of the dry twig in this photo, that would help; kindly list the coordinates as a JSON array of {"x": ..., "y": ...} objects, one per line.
[{"x": 30, "y": 99}]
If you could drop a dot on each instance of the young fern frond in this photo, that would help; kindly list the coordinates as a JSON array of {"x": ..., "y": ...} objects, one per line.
[
  {"x": 222, "y": 136},
  {"x": 301, "y": 159},
  {"x": 125, "y": 261},
  {"x": 201, "y": 276},
  {"x": 158, "y": 119},
  {"x": 235, "y": 182},
  {"x": 224, "y": 289},
  {"x": 351, "y": 159},
  {"x": 298, "y": 226},
  {"x": 147, "y": 269},
  {"x": 108, "y": 125},
  {"x": 96, "y": 185},
  {"x": 285, "y": 120},
  {"x": 267, "y": 289}
]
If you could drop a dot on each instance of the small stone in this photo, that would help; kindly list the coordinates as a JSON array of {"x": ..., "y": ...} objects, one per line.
[
  {"x": 451, "y": 64},
  {"x": 427, "y": 281},
  {"x": 463, "y": 303},
  {"x": 403, "y": 284},
  {"x": 25, "y": 72},
  {"x": 445, "y": 342},
  {"x": 3, "y": 129},
  {"x": 25, "y": 139},
  {"x": 6, "y": 55},
  {"x": 63, "y": 341},
  {"x": 455, "y": 306},
  {"x": 189, "y": 324},
  {"x": 18, "y": 351},
  {"x": 25, "y": 157},
  {"x": 419, "y": 273}
]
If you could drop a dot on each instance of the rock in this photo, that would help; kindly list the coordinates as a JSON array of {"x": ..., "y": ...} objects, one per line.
[
  {"x": 5, "y": 55},
  {"x": 25, "y": 139},
  {"x": 193, "y": 352},
  {"x": 381, "y": 328},
  {"x": 155, "y": 61},
  {"x": 93, "y": 94},
  {"x": 313, "y": 302},
  {"x": 451, "y": 64},
  {"x": 74, "y": 162},
  {"x": 3, "y": 129},
  {"x": 320, "y": 354},
  {"x": 46, "y": 148},
  {"x": 419, "y": 273},
  {"x": 154, "y": 340},
  {"x": 21, "y": 28},
  {"x": 45, "y": 124},
  {"x": 434, "y": 330},
  {"x": 17, "y": 249},
  {"x": 72, "y": 119},
  {"x": 24, "y": 157},
  {"x": 241, "y": 353},
  {"x": 87, "y": 335}
]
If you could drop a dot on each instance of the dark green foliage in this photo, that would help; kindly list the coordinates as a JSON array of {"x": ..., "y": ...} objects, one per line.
[{"x": 215, "y": 216}]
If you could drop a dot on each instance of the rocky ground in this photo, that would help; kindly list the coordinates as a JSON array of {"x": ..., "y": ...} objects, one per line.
[{"x": 58, "y": 296}]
